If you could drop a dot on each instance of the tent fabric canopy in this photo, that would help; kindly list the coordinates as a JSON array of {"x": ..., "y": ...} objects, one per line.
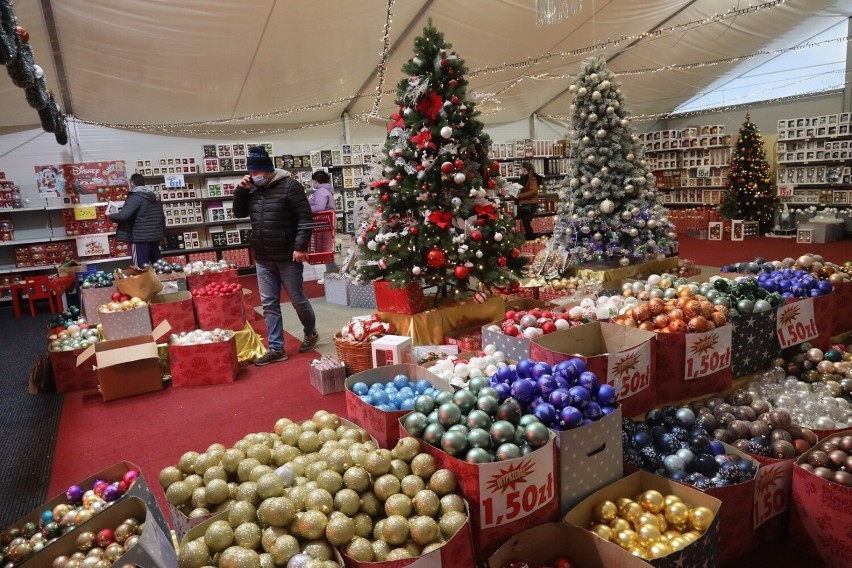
[{"x": 164, "y": 62}]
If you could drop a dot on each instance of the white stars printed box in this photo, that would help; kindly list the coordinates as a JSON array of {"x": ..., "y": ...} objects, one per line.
[
  {"x": 754, "y": 342},
  {"x": 703, "y": 553}
]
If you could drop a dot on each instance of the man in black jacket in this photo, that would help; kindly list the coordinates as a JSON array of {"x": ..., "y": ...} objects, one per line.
[
  {"x": 141, "y": 222},
  {"x": 280, "y": 234}
]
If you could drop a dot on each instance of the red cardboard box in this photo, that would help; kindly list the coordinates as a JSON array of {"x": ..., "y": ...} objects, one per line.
[
  {"x": 224, "y": 312},
  {"x": 197, "y": 281},
  {"x": 248, "y": 306},
  {"x": 407, "y": 300},
  {"x": 806, "y": 319},
  {"x": 505, "y": 497},
  {"x": 703, "y": 552},
  {"x": 67, "y": 375},
  {"x": 467, "y": 339},
  {"x": 691, "y": 365},
  {"x": 204, "y": 364},
  {"x": 737, "y": 535},
  {"x": 177, "y": 308},
  {"x": 128, "y": 323},
  {"x": 773, "y": 491},
  {"x": 621, "y": 356},
  {"x": 384, "y": 426},
  {"x": 842, "y": 314}
]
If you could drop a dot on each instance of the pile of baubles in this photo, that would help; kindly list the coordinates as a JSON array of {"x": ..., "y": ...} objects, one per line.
[
  {"x": 397, "y": 394},
  {"x": 832, "y": 367},
  {"x": 75, "y": 336},
  {"x": 529, "y": 324},
  {"x": 199, "y": 337},
  {"x": 200, "y": 267},
  {"x": 123, "y": 304},
  {"x": 832, "y": 459},
  {"x": 812, "y": 264},
  {"x": 654, "y": 286},
  {"x": 686, "y": 312},
  {"x": 366, "y": 328},
  {"x": 106, "y": 546},
  {"x": 671, "y": 444},
  {"x": 64, "y": 319},
  {"x": 459, "y": 371},
  {"x": 163, "y": 266},
  {"x": 218, "y": 289},
  {"x": 99, "y": 279},
  {"x": 813, "y": 405},
  {"x": 742, "y": 296}
]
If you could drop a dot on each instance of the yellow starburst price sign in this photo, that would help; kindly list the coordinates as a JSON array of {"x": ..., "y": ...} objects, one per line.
[
  {"x": 707, "y": 353},
  {"x": 796, "y": 323}
]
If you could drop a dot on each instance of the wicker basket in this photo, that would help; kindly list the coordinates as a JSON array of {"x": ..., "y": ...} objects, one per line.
[{"x": 357, "y": 356}]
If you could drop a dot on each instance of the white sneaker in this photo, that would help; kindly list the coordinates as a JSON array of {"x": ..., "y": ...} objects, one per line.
[{"x": 321, "y": 281}]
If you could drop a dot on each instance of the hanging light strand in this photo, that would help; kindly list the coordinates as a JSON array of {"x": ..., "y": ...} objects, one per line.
[{"x": 383, "y": 58}]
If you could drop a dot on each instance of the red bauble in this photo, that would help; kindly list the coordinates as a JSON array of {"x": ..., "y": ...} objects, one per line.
[
  {"x": 436, "y": 258},
  {"x": 491, "y": 184},
  {"x": 454, "y": 99},
  {"x": 412, "y": 231},
  {"x": 23, "y": 34},
  {"x": 431, "y": 145},
  {"x": 548, "y": 327},
  {"x": 461, "y": 272},
  {"x": 501, "y": 260},
  {"x": 445, "y": 62},
  {"x": 446, "y": 167},
  {"x": 395, "y": 116},
  {"x": 450, "y": 72},
  {"x": 514, "y": 253},
  {"x": 386, "y": 197},
  {"x": 459, "y": 164},
  {"x": 475, "y": 236},
  {"x": 481, "y": 221},
  {"x": 419, "y": 167},
  {"x": 470, "y": 175},
  {"x": 495, "y": 166},
  {"x": 398, "y": 177},
  {"x": 453, "y": 82}
]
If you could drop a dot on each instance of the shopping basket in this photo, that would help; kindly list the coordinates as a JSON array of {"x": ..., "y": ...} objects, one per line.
[{"x": 321, "y": 249}]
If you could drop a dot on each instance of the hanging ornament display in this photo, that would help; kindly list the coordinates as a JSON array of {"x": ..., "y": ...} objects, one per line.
[
  {"x": 436, "y": 258},
  {"x": 607, "y": 206},
  {"x": 461, "y": 272}
]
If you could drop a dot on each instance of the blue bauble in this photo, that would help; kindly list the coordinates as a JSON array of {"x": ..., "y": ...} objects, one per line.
[
  {"x": 400, "y": 381},
  {"x": 824, "y": 286},
  {"x": 717, "y": 447},
  {"x": 540, "y": 369},
  {"x": 504, "y": 390},
  {"x": 686, "y": 455},
  {"x": 524, "y": 368},
  {"x": 570, "y": 417},
  {"x": 535, "y": 402},
  {"x": 390, "y": 389},
  {"x": 592, "y": 411},
  {"x": 580, "y": 396},
  {"x": 641, "y": 439},
  {"x": 367, "y": 399},
  {"x": 560, "y": 398},
  {"x": 407, "y": 404},
  {"x": 46, "y": 517},
  {"x": 380, "y": 397},
  {"x": 678, "y": 476},
  {"x": 685, "y": 416},
  {"x": 377, "y": 387},
  {"x": 545, "y": 385},
  {"x": 562, "y": 382},
  {"x": 573, "y": 369},
  {"x": 505, "y": 374},
  {"x": 705, "y": 465},
  {"x": 589, "y": 381},
  {"x": 747, "y": 468},
  {"x": 360, "y": 389},
  {"x": 546, "y": 412},
  {"x": 606, "y": 395},
  {"x": 422, "y": 386},
  {"x": 607, "y": 409},
  {"x": 523, "y": 390},
  {"x": 674, "y": 463}
]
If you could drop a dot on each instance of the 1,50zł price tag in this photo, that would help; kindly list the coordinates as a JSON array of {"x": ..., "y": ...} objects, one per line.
[
  {"x": 707, "y": 353},
  {"x": 513, "y": 489},
  {"x": 796, "y": 323},
  {"x": 630, "y": 371}
]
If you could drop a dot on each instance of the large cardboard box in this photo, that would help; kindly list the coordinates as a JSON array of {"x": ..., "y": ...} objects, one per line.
[
  {"x": 176, "y": 308},
  {"x": 505, "y": 497},
  {"x": 807, "y": 320},
  {"x": 204, "y": 364},
  {"x": 70, "y": 268},
  {"x": 127, "y": 367},
  {"x": 841, "y": 313},
  {"x": 248, "y": 306},
  {"x": 539, "y": 545},
  {"x": 621, "y": 356},
  {"x": 691, "y": 365},
  {"x": 93, "y": 298},
  {"x": 128, "y": 323},
  {"x": 153, "y": 549},
  {"x": 196, "y": 281},
  {"x": 384, "y": 426},
  {"x": 516, "y": 348},
  {"x": 173, "y": 282},
  {"x": 754, "y": 342},
  {"x": 223, "y": 312},
  {"x": 703, "y": 552},
  {"x": 67, "y": 375}
]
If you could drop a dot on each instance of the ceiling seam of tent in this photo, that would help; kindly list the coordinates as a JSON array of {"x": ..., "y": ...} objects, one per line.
[
  {"x": 56, "y": 53},
  {"x": 253, "y": 57},
  {"x": 396, "y": 44}
]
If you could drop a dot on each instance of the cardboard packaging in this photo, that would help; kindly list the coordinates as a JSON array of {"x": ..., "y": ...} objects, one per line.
[
  {"x": 361, "y": 295},
  {"x": 467, "y": 338},
  {"x": 702, "y": 552},
  {"x": 153, "y": 549},
  {"x": 408, "y": 300},
  {"x": 176, "y": 308},
  {"x": 327, "y": 375},
  {"x": 691, "y": 365},
  {"x": 516, "y": 348},
  {"x": 67, "y": 375},
  {"x": 127, "y": 367},
  {"x": 754, "y": 342},
  {"x": 173, "y": 282},
  {"x": 384, "y": 426},
  {"x": 336, "y": 288},
  {"x": 807, "y": 319},
  {"x": 223, "y": 312},
  {"x": 128, "y": 323},
  {"x": 93, "y": 298},
  {"x": 204, "y": 364},
  {"x": 621, "y": 356},
  {"x": 196, "y": 281},
  {"x": 504, "y": 497},
  {"x": 819, "y": 516},
  {"x": 70, "y": 268},
  {"x": 539, "y": 545},
  {"x": 391, "y": 350},
  {"x": 248, "y": 306},
  {"x": 144, "y": 283},
  {"x": 842, "y": 315}
]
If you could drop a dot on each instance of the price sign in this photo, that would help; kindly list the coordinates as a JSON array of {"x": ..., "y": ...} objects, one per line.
[
  {"x": 85, "y": 213},
  {"x": 702, "y": 172},
  {"x": 707, "y": 353},
  {"x": 511, "y": 490},
  {"x": 175, "y": 180},
  {"x": 630, "y": 371},
  {"x": 795, "y": 323},
  {"x": 785, "y": 190},
  {"x": 773, "y": 487}
]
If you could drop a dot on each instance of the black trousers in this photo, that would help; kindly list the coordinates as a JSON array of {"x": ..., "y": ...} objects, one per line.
[{"x": 526, "y": 213}]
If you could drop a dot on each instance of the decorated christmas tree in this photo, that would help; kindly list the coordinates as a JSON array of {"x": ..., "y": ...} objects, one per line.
[
  {"x": 436, "y": 222},
  {"x": 608, "y": 209},
  {"x": 750, "y": 194}
]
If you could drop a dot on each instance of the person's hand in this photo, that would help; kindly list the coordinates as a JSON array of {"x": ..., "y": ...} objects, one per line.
[
  {"x": 299, "y": 256},
  {"x": 245, "y": 183}
]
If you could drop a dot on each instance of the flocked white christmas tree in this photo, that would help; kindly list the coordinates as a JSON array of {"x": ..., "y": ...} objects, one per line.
[{"x": 608, "y": 208}]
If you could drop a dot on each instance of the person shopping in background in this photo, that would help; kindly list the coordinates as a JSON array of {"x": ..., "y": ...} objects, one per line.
[
  {"x": 141, "y": 222},
  {"x": 280, "y": 234},
  {"x": 528, "y": 198},
  {"x": 323, "y": 200}
]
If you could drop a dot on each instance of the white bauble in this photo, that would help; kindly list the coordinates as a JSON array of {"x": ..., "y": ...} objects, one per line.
[
  {"x": 601, "y": 133},
  {"x": 629, "y": 157},
  {"x": 498, "y": 237},
  {"x": 446, "y": 132},
  {"x": 490, "y": 369},
  {"x": 456, "y": 201},
  {"x": 587, "y": 195},
  {"x": 479, "y": 254},
  {"x": 584, "y": 179},
  {"x": 461, "y": 370},
  {"x": 372, "y": 245},
  {"x": 610, "y": 110},
  {"x": 626, "y": 215},
  {"x": 574, "y": 182},
  {"x": 597, "y": 236},
  {"x": 634, "y": 232},
  {"x": 407, "y": 111},
  {"x": 392, "y": 183},
  {"x": 624, "y": 123},
  {"x": 592, "y": 214},
  {"x": 607, "y": 206},
  {"x": 585, "y": 140},
  {"x": 572, "y": 88},
  {"x": 593, "y": 77},
  {"x": 596, "y": 95},
  {"x": 416, "y": 270},
  {"x": 596, "y": 182},
  {"x": 628, "y": 188},
  {"x": 593, "y": 117},
  {"x": 582, "y": 91},
  {"x": 573, "y": 108},
  {"x": 590, "y": 158},
  {"x": 459, "y": 178},
  {"x": 499, "y": 356},
  {"x": 652, "y": 224},
  {"x": 532, "y": 333},
  {"x": 561, "y": 324}
]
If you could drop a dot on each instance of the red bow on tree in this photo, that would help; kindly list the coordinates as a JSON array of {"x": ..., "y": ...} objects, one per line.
[
  {"x": 422, "y": 138},
  {"x": 429, "y": 106},
  {"x": 378, "y": 183},
  {"x": 486, "y": 211},
  {"x": 397, "y": 120},
  {"x": 441, "y": 218}
]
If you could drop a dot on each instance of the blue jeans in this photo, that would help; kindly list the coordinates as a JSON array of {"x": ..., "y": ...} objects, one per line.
[{"x": 270, "y": 277}]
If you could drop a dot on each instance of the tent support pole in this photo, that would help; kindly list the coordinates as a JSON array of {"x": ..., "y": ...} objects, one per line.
[
  {"x": 533, "y": 119},
  {"x": 346, "y": 132}
]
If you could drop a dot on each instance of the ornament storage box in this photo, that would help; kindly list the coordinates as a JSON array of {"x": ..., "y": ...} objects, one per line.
[
  {"x": 67, "y": 375},
  {"x": 153, "y": 549},
  {"x": 391, "y": 350},
  {"x": 93, "y": 298},
  {"x": 127, "y": 367},
  {"x": 620, "y": 356},
  {"x": 174, "y": 307},
  {"x": 223, "y": 312},
  {"x": 384, "y": 426},
  {"x": 691, "y": 365},
  {"x": 703, "y": 552},
  {"x": 126, "y": 323},
  {"x": 360, "y": 295},
  {"x": 204, "y": 364}
]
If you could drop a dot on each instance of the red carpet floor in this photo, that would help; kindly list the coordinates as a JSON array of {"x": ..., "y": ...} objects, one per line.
[
  {"x": 720, "y": 253},
  {"x": 312, "y": 289}
]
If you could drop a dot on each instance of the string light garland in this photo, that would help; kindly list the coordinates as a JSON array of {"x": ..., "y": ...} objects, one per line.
[
  {"x": 165, "y": 128},
  {"x": 383, "y": 58}
]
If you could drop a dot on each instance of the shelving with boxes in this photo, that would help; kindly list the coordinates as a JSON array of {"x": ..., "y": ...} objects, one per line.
[{"x": 549, "y": 158}]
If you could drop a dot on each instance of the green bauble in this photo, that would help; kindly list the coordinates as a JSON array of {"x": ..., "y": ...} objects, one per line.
[
  {"x": 454, "y": 442},
  {"x": 414, "y": 423},
  {"x": 479, "y": 438},
  {"x": 761, "y": 306},
  {"x": 502, "y": 431},
  {"x": 459, "y": 428},
  {"x": 526, "y": 450},
  {"x": 732, "y": 313},
  {"x": 722, "y": 301},
  {"x": 508, "y": 452},
  {"x": 745, "y": 306},
  {"x": 487, "y": 404},
  {"x": 489, "y": 391},
  {"x": 476, "y": 383},
  {"x": 433, "y": 434},
  {"x": 721, "y": 284},
  {"x": 433, "y": 417},
  {"x": 479, "y": 419},
  {"x": 519, "y": 435},
  {"x": 465, "y": 400},
  {"x": 424, "y": 403},
  {"x": 449, "y": 414},
  {"x": 528, "y": 419},
  {"x": 833, "y": 355},
  {"x": 775, "y": 300},
  {"x": 537, "y": 435},
  {"x": 443, "y": 397},
  {"x": 478, "y": 455}
]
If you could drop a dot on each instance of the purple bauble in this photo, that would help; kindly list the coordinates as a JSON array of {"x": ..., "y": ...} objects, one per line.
[
  {"x": 592, "y": 411},
  {"x": 580, "y": 396},
  {"x": 716, "y": 448},
  {"x": 570, "y": 417},
  {"x": 824, "y": 286},
  {"x": 560, "y": 398},
  {"x": 74, "y": 494},
  {"x": 523, "y": 390},
  {"x": 606, "y": 395},
  {"x": 505, "y": 374},
  {"x": 545, "y": 385},
  {"x": 524, "y": 368},
  {"x": 546, "y": 413},
  {"x": 504, "y": 390},
  {"x": 573, "y": 368},
  {"x": 535, "y": 402},
  {"x": 111, "y": 493},
  {"x": 589, "y": 381},
  {"x": 540, "y": 369},
  {"x": 607, "y": 410},
  {"x": 561, "y": 383}
]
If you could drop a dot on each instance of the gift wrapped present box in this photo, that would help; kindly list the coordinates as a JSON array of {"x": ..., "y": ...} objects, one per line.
[
  {"x": 361, "y": 295},
  {"x": 327, "y": 375},
  {"x": 408, "y": 300},
  {"x": 337, "y": 288}
]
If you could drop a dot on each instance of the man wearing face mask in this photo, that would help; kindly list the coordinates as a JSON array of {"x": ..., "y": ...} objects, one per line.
[{"x": 280, "y": 219}]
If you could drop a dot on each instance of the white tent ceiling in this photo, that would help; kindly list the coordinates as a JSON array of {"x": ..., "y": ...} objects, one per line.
[{"x": 163, "y": 62}]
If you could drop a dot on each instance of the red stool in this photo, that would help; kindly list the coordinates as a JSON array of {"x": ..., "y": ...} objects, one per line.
[{"x": 38, "y": 288}]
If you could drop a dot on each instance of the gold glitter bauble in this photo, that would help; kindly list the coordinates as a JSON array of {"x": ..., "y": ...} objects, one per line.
[
  {"x": 381, "y": 550},
  {"x": 363, "y": 525},
  {"x": 340, "y": 530},
  {"x": 424, "y": 530},
  {"x": 219, "y": 536},
  {"x": 605, "y": 511},
  {"x": 398, "y": 504},
  {"x": 85, "y": 541},
  {"x": 241, "y": 512},
  {"x": 113, "y": 552},
  {"x": 399, "y": 554},
  {"x": 423, "y": 465},
  {"x": 406, "y": 449},
  {"x": 357, "y": 479},
  {"x": 238, "y": 557},
  {"x": 450, "y": 523},
  {"x": 626, "y": 539},
  {"x": 700, "y": 518},
  {"x": 194, "y": 554},
  {"x": 677, "y": 513},
  {"x": 347, "y": 502},
  {"x": 652, "y": 501},
  {"x": 318, "y": 549},
  {"x": 247, "y": 535},
  {"x": 168, "y": 475},
  {"x": 178, "y": 493},
  {"x": 411, "y": 484},
  {"x": 370, "y": 504},
  {"x": 379, "y": 462},
  {"x": 395, "y": 530},
  {"x": 276, "y": 512},
  {"x": 426, "y": 502},
  {"x": 270, "y": 485},
  {"x": 385, "y": 486},
  {"x": 452, "y": 502},
  {"x": 319, "y": 500},
  {"x": 311, "y": 524},
  {"x": 443, "y": 482}
]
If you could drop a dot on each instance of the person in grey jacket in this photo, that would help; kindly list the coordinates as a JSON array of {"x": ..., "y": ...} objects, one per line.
[{"x": 141, "y": 222}]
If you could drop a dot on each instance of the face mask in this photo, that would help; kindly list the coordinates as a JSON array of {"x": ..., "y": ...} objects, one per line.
[{"x": 259, "y": 180}]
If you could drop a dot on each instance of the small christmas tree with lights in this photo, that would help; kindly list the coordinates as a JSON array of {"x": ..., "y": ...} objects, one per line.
[
  {"x": 750, "y": 194},
  {"x": 436, "y": 223},
  {"x": 609, "y": 210}
]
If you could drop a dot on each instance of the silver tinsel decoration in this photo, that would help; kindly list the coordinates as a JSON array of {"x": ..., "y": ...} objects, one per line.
[{"x": 549, "y": 12}]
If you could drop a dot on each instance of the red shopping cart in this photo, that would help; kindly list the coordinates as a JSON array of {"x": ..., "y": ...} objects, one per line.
[{"x": 321, "y": 249}]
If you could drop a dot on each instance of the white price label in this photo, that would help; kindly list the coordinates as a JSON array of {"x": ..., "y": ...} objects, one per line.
[
  {"x": 514, "y": 489},
  {"x": 175, "y": 180},
  {"x": 795, "y": 323},
  {"x": 702, "y": 172},
  {"x": 707, "y": 353},
  {"x": 630, "y": 371},
  {"x": 772, "y": 490},
  {"x": 785, "y": 190}
]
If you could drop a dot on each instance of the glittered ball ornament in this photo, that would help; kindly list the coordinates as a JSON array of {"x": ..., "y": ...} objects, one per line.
[
  {"x": 607, "y": 206},
  {"x": 446, "y": 132},
  {"x": 436, "y": 258}
]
